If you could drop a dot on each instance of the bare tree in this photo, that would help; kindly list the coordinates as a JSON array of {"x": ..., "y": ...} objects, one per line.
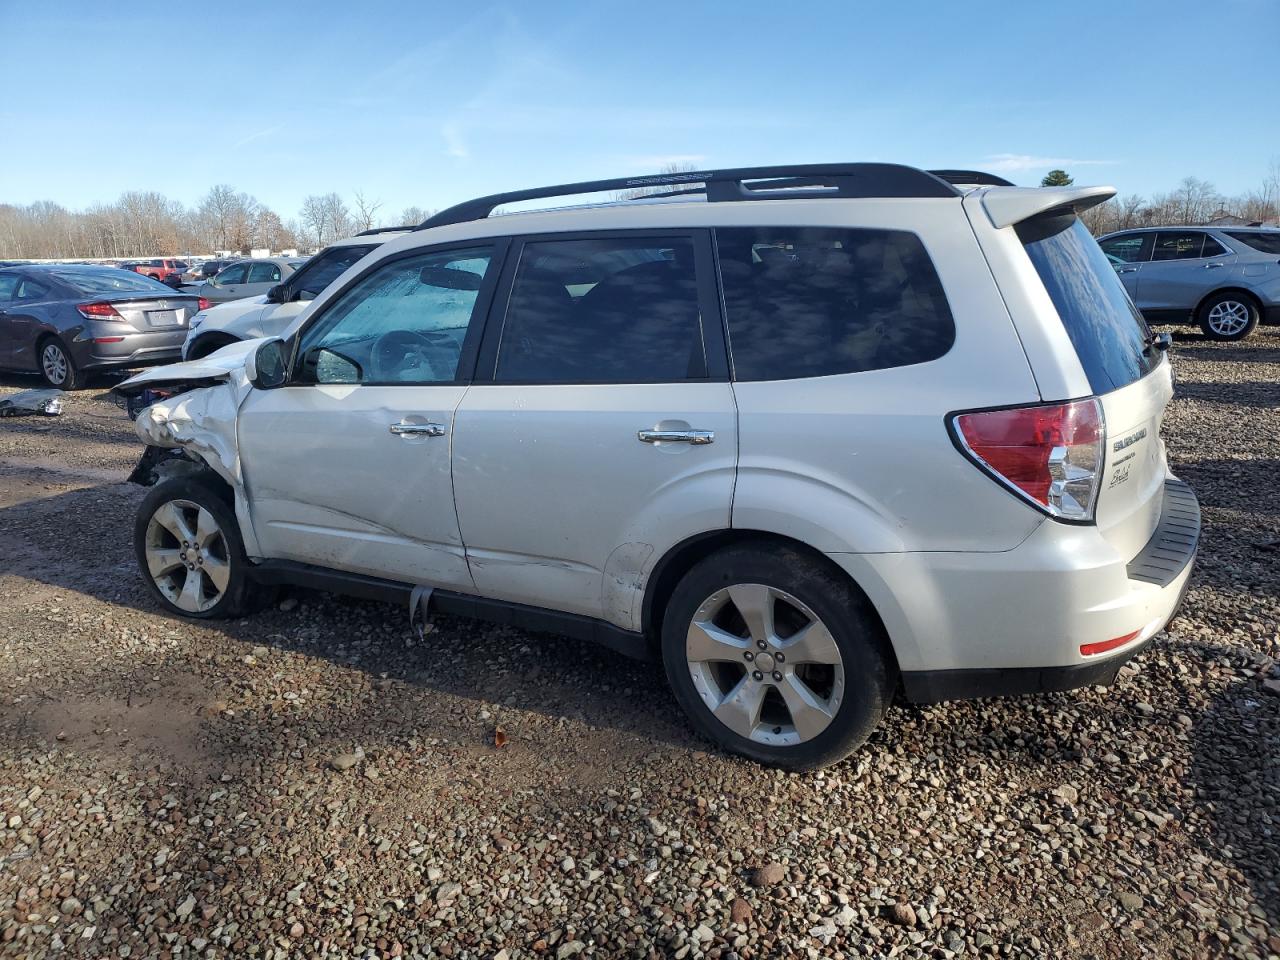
[
  {"x": 326, "y": 217},
  {"x": 412, "y": 216},
  {"x": 366, "y": 211}
]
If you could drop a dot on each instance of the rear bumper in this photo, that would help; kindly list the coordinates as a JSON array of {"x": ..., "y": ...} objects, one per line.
[
  {"x": 133, "y": 350},
  {"x": 992, "y": 624}
]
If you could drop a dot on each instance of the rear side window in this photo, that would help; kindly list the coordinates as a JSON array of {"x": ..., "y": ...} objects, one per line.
[
  {"x": 1262, "y": 242},
  {"x": 809, "y": 302},
  {"x": 1110, "y": 336},
  {"x": 621, "y": 310}
]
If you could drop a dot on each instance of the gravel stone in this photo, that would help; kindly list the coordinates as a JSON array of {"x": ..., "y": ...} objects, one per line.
[{"x": 167, "y": 787}]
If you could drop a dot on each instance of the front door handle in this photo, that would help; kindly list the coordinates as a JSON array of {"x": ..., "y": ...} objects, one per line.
[
  {"x": 403, "y": 429},
  {"x": 697, "y": 437},
  {"x": 1127, "y": 270},
  {"x": 1210, "y": 266}
]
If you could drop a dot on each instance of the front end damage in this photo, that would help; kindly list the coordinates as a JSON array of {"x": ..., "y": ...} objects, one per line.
[{"x": 189, "y": 422}]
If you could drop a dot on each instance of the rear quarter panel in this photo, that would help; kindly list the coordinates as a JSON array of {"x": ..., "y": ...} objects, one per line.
[{"x": 863, "y": 462}]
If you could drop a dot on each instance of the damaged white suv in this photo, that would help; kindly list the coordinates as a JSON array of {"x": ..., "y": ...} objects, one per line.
[{"x": 814, "y": 436}]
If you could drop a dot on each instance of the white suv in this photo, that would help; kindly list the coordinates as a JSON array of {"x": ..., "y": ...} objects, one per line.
[
  {"x": 270, "y": 314},
  {"x": 814, "y": 436}
]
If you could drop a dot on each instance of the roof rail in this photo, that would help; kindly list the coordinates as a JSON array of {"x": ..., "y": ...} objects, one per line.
[
  {"x": 974, "y": 177},
  {"x": 377, "y": 230},
  {"x": 801, "y": 181}
]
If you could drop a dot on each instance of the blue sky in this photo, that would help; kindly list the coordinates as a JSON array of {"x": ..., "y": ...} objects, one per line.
[{"x": 429, "y": 103}]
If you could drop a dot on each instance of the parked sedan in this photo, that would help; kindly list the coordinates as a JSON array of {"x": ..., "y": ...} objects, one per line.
[
  {"x": 1226, "y": 279},
  {"x": 205, "y": 269},
  {"x": 65, "y": 320},
  {"x": 248, "y": 278}
]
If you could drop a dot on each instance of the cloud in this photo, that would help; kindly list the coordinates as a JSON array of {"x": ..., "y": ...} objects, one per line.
[
  {"x": 454, "y": 144},
  {"x": 254, "y": 136},
  {"x": 1012, "y": 162}
]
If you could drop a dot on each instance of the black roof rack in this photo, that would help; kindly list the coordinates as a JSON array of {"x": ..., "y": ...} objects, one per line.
[
  {"x": 744, "y": 183},
  {"x": 376, "y": 230},
  {"x": 976, "y": 177}
]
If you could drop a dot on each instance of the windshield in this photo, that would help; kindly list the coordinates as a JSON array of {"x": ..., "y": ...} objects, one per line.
[
  {"x": 1111, "y": 339},
  {"x": 1268, "y": 242},
  {"x": 96, "y": 282},
  {"x": 322, "y": 269}
]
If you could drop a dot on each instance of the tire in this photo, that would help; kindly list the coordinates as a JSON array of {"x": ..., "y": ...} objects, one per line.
[
  {"x": 185, "y": 530},
  {"x": 204, "y": 346},
  {"x": 717, "y": 665},
  {"x": 1228, "y": 316},
  {"x": 56, "y": 366}
]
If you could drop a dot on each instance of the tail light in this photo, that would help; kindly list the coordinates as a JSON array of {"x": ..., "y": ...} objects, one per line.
[
  {"x": 1050, "y": 455},
  {"x": 99, "y": 311},
  {"x": 205, "y": 303}
]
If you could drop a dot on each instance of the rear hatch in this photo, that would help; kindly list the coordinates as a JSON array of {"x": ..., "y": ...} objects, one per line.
[{"x": 1126, "y": 370}]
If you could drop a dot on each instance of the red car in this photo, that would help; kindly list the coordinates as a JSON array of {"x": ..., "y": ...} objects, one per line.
[{"x": 166, "y": 271}]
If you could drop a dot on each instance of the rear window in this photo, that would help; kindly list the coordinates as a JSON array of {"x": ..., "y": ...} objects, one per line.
[
  {"x": 1110, "y": 336},
  {"x": 108, "y": 281},
  {"x": 1262, "y": 242},
  {"x": 809, "y": 302}
]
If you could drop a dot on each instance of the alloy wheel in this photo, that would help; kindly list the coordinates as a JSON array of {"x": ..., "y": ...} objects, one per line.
[
  {"x": 187, "y": 555},
  {"x": 764, "y": 664},
  {"x": 55, "y": 363},
  {"x": 1228, "y": 317}
]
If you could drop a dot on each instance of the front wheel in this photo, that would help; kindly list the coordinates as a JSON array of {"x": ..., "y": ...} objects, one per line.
[
  {"x": 188, "y": 546},
  {"x": 1228, "y": 316},
  {"x": 776, "y": 656}
]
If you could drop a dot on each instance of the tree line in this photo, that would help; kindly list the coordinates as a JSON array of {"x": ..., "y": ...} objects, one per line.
[{"x": 146, "y": 223}]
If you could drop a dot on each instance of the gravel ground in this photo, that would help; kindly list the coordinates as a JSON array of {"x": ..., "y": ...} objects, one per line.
[{"x": 311, "y": 783}]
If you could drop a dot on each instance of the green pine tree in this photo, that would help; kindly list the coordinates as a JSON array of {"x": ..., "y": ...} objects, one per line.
[{"x": 1056, "y": 178}]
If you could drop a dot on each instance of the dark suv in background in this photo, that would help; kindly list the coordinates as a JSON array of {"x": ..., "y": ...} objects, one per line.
[{"x": 1226, "y": 279}]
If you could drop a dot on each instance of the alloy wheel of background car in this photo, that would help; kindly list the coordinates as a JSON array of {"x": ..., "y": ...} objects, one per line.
[
  {"x": 56, "y": 366},
  {"x": 764, "y": 664},
  {"x": 187, "y": 556},
  {"x": 1228, "y": 317}
]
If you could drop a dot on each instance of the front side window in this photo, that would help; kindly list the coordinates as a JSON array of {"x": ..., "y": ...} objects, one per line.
[
  {"x": 264, "y": 273},
  {"x": 403, "y": 323},
  {"x": 811, "y": 302},
  {"x": 1110, "y": 337},
  {"x": 622, "y": 310},
  {"x": 1262, "y": 241},
  {"x": 1179, "y": 245},
  {"x": 324, "y": 268},
  {"x": 1131, "y": 247}
]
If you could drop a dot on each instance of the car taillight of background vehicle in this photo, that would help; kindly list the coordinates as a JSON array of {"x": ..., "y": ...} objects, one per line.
[
  {"x": 205, "y": 303},
  {"x": 99, "y": 311},
  {"x": 1051, "y": 455}
]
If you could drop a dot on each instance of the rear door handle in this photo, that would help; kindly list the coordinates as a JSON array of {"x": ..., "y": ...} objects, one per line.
[
  {"x": 403, "y": 429},
  {"x": 1127, "y": 270},
  {"x": 1210, "y": 266},
  {"x": 697, "y": 437}
]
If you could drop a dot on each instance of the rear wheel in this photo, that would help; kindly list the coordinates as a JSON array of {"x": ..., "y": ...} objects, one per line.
[
  {"x": 776, "y": 656},
  {"x": 56, "y": 365},
  {"x": 188, "y": 546},
  {"x": 1228, "y": 316}
]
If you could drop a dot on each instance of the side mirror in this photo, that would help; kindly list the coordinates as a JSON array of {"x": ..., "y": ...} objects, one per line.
[
  {"x": 276, "y": 294},
  {"x": 268, "y": 366}
]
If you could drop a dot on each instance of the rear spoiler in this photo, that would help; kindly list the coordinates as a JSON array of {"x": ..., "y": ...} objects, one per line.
[{"x": 1009, "y": 205}]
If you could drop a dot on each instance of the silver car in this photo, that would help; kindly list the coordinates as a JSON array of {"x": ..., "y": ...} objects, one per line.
[
  {"x": 1226, "y": 279},
  {"x": 248, "y": 278}
]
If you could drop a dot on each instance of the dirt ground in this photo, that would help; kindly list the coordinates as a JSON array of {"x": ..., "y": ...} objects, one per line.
[{"x": 313, "y": 783}]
